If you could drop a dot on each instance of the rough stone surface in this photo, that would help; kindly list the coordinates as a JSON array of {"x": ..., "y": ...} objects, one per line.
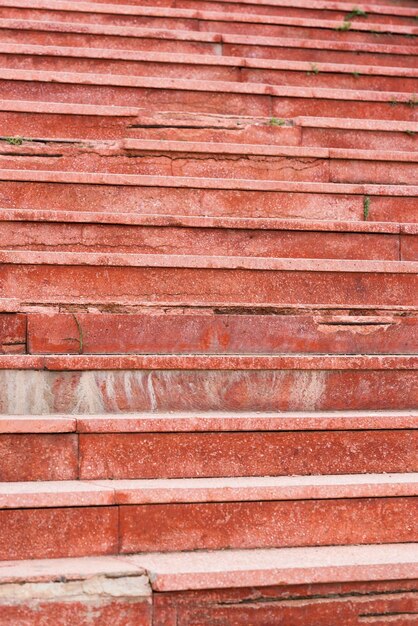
[{"x": 208, "y": 313}]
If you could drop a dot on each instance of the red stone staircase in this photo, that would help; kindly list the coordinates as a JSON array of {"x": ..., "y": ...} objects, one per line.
[{"x": 208, "y": 326}]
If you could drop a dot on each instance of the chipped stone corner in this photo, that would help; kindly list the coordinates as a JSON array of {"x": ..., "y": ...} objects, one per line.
[{"x": 96, "y": 589}]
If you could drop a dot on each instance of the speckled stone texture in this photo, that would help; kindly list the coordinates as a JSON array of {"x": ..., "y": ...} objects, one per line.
[{"x": 208, "y": 313}]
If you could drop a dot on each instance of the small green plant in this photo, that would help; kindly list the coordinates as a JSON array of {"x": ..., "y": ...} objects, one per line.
[
  {"x": 393, "y": 103},
  {"x": 14, "y": 141},
  {"x": 314, "y": 69},
  {"x": 274, "y": 121},
  {"x": 356, "y": 74},
  {"x": 411, "y": 133},
  {"x": 366, "y": 207},
  {"x": 356, "y": 12},
  {"x": 344, "y": 26}
]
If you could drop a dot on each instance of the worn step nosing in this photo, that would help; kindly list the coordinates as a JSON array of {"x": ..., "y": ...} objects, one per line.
[
  {"x": 32, "y": 257},
  {"x": 190, "y": 490},
  {"x": 208, "y": 362},
  {"x": 179, "y": 84},
  {"x": 182, "y": 571},
  {"x": 189, "y": 182},
  {"x": 186, "y": 221},
  {"x": 176, "y": 423}
]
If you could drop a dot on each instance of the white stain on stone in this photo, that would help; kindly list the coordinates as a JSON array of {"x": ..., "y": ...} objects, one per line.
[
  {"x": 307, "y": 390},
  {"x": 98, "y": 587},
  {"x": 88, "y": 395},
  {"x": 151, "y": 393},
  {"x": 25, "y": 392}
]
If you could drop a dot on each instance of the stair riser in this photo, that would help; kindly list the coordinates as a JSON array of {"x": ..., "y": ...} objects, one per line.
[
  {"x": 328, "y": 80},
  {"x": 303, "y": 78},
  {"x": 204, "y": 241},
  {"x": 42, "y": 125},
  {"x": 206, "y": 287},
  {"x": 106, "y": 611},
  {"x": 212, "y": 26},
  {"x": 78, "y": 531},
  {"x": 212, "y": 454},
  {"x": 307, "y": 605},
  {"x": 313, "y": 604},
  {"x": 34, "y": 457},
  {"x": 182, "y": 100},
  {"x": 94, "y": 392},
  {"x": 267, "y": 524},
  {"x": 207, "y": 165},
  {"x": 159, "y": 527},
  {"x": 312, "y": 55},
  {"x": 12, "y": 333},
  {"x": 219, "y": 334},
  {"x": 358, "y": 139},
  {"x": 212, "y": 202},
  {"x": 38, "y": 457}
]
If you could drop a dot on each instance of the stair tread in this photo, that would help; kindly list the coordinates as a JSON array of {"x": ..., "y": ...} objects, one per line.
[
  {"x": 152, "y": 82},
  {"x": 208, "y": 362},
  {"x": 126, "y": 146},
  {"x": 204, "y": 59},
  {"x": 206, "y": 37},
  {"x": 213, "y": 421},
  {"x": 193, "y": 182},
  {"x": 231, "y": 568},
  {"x": 35, "y": 257},
  {"x": 189, "y": 221},
  {"x": 76, "y": 493},
  {"x": 166, "y": 12}
]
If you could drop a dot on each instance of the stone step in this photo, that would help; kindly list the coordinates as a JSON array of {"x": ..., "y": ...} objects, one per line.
[
  {"x": 198, "y": 196},
  {"x": 136, "y": 333},
  {"x": 373, "y": 11},
  {"x": 25, "y": 229},
  {"x": 207, "y": 67},
  {"x": 346, "y": 583},
  {"x": 193, "y": 445},
  {"x": 204, "y": 513},
  {"x": 91, "y": 384},
  {"x": 107, "y": 278},
  {"x": 205, "y": 159},
  {"x": 205, "y": 96},
  {"x": 366, "y": 134},
  {"x": 211, "y": 21},
  {"x": 18, "y": 32},
  {"x": 46, "y": 121},
  {"x": 208, "y": 331}
]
